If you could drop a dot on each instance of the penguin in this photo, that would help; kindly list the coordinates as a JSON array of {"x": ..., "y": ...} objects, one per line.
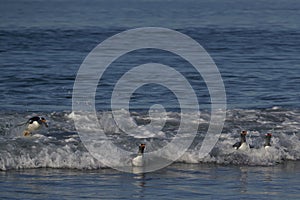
[
  {"x": 138, "y": 161},
  {"x": 33, "y": 124},
  {"x": 242, "y": 144},
  {"x": 268, "y": 137}
]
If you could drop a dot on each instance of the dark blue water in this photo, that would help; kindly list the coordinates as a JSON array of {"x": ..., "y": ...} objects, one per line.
[
  {"x": 259, "y": 67},
  {"x": 255, "y": 46}
]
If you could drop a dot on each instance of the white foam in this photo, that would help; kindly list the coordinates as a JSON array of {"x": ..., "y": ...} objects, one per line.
[
  {"x": 63, "y": 149},
  {"x": 50, "y": 155}
]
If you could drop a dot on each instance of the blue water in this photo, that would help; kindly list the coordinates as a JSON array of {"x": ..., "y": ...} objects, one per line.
[
  {"x": 255, "y": 46},
  {"x": 175, "y": 182}
]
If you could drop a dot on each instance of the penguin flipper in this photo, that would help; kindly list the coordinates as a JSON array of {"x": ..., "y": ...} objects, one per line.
[{"x": 237, "y": 145}]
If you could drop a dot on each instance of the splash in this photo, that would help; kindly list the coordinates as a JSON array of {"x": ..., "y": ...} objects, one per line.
[{"x": 59, "y": 146}]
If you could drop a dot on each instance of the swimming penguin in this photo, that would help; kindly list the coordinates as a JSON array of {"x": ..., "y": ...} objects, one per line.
[
  {"x": 33, "y": 124},
  {"x": 268, "y": 137},
  {"x": 138, "y": 161},
  {"x": 242, "y": 145}
]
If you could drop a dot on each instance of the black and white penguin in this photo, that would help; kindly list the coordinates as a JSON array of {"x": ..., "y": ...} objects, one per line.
[
  {"x": 242, "y": 144},
  {"x": 33, "y": 124},
  {"x": 138, "y": 161},
  {"x": 268, "y": 137}
]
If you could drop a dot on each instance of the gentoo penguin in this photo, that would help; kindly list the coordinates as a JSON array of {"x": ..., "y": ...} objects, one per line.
[
  {"x": 242, "y": 145},
  {"x": 33, "y": 124},
  {"x": 268, "y": 137},
  {"x": 138, "y": 161}
]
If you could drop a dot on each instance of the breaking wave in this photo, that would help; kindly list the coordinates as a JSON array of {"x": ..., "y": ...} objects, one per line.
[{"x": 60, "y": 146}]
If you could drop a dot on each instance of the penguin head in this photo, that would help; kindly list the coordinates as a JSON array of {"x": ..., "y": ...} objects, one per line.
[
  {"x": 44, "y": 121},
  {"x": 268, "y": 137},
  {"x": 141, "y": 148},
  {"x": 244, "y": 133},
  {"x": 243, "y": 136}
]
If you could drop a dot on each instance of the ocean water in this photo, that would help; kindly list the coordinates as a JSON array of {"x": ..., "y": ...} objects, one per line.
[{"x": 255, "y": 46}]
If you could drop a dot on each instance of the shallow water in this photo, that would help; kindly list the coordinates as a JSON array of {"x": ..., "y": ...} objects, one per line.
[{"x": 191, "y": 181}]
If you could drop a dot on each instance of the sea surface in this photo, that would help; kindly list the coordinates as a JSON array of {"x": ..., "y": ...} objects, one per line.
[{"x": 254, "y": 44}]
